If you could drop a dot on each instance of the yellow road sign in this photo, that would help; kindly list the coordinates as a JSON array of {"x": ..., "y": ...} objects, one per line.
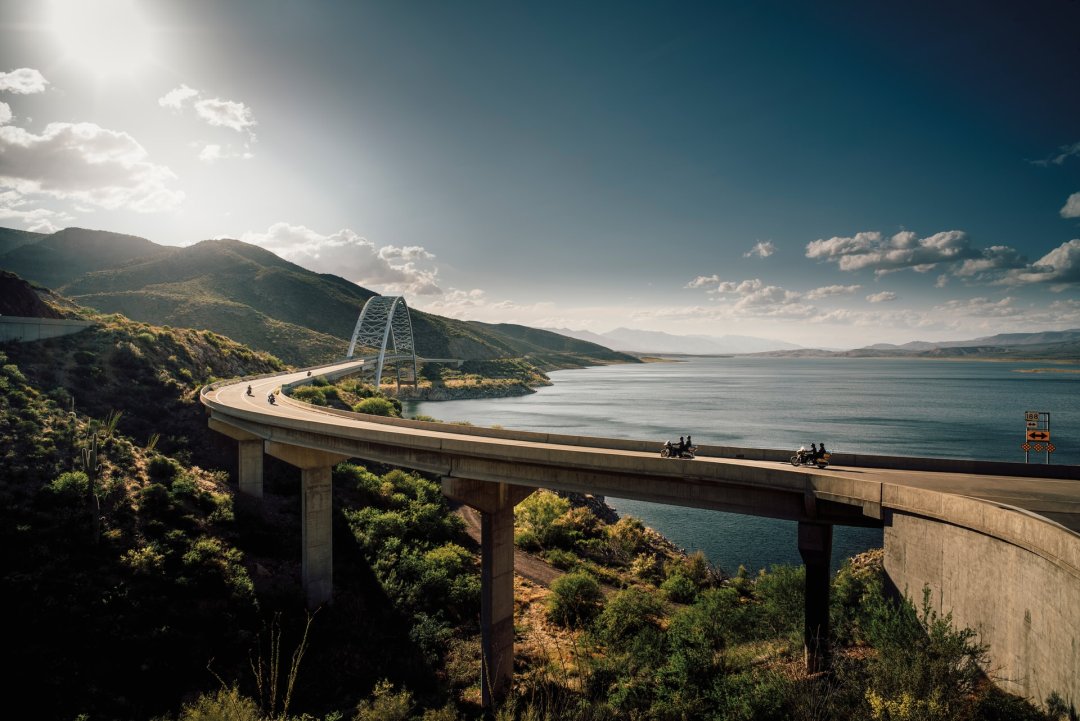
[{"x": 1038, "y": 435}]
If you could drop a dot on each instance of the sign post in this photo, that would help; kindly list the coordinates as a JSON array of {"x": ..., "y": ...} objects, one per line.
[{"x": 1037, "y": 434}]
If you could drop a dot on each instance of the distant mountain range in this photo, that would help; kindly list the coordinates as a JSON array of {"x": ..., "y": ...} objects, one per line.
[
  {"x": 1061, "y": 345},
  {"x": 255, "y": 297},
  {"x": 649, "y": 341}
]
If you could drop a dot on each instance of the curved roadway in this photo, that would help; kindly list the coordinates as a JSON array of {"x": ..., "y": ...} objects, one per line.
[{"x": 1055, "y": 499}]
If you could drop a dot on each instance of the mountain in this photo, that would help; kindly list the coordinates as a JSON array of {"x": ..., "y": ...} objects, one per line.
[
  {"x": 1002, "y": 340},
  {"x": 648, "y": 341},
  {"x": 11, "y": 238},
  {"x": 17, "y": 297},
  {"x": 56, "y": 259},
  {"x": 257, "y": 298}
]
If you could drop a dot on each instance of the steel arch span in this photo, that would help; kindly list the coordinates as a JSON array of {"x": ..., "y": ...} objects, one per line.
[{"x": 385, "y": 320}]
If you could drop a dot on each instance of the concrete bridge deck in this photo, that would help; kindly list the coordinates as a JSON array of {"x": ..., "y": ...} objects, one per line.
[{"x": 949, "y": 524}]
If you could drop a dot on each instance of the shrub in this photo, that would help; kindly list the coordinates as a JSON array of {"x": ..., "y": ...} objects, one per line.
[
  {"x": 72, "y": 484},
  {"x": 226, "y": 704},
  {"x": 626, "y": 614},
  {"x": 627, "y": 537},
  {"x": 575, "y": 599},
  {"x": 162, "y": 469},
  {"x": 385, "y": 704},
  {"x": 781, "y": 592},
  {"x": 539, "y": 515},
  {"x": 679, "y": 589},
  {"x": 376, "y": 406},
  {"x": 565, "y": 560}
]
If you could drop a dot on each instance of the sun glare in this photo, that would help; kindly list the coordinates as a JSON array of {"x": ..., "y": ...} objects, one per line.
[{"x": 105, "y": 37}]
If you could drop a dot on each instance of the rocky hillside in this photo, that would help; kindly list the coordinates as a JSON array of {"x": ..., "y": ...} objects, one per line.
[{"x": 17, "y": 297}]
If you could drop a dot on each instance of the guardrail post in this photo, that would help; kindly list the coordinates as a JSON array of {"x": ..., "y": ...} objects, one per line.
[
  {"x": 317, "y": 504},
  {"x": 496, "y": 502},
  {"x": 815, "y": 547}
]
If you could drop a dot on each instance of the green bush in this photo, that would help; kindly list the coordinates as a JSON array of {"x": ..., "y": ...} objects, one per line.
[
  {"x": 626, "y": 614},
  {"x": 71, "y": 484},
  {"x": 376, "y": 406},
  {"x": 781, "y": 592},
  {"x": 575, "y": 599},
  {"x": 679, "y": 589},
  {"x": 565, "y": 560},
  {"x": 545, "y": 520},
  {"x": 162, "y": 469}
]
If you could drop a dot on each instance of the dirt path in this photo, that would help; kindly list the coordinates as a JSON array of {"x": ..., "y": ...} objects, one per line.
[{"x": 525, "y": 565}]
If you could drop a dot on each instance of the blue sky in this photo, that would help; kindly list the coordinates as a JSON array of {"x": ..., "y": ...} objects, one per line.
[{"x": 824, "y": 173}]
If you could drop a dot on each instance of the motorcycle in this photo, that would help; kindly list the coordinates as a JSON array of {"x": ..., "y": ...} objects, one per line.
[
  {"x": 249, "y": 391},
  {"x": 804, "y": 457},
  {"x": 270, "y": 399},
  {"x": 671, "y": 450}
]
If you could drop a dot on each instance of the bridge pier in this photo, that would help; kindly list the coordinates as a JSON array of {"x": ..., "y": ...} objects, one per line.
[
  {"x": 251, "y": 457},
  {"x": 317, "y": 503},
  {"x": 251, "y": 467},
  {"x": 495, "y": 502},
  {"x": 815, "y": 547}
]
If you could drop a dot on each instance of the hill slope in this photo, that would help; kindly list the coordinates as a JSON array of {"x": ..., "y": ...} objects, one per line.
[
  {"x": 257, "y": 298},
  {"x": 56, "y": 259}
]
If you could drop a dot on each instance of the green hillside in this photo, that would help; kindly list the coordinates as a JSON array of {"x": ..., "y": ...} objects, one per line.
[
  {"x": 11, "y": 238},
  {"x": 259, "y": 299},
  {"x": 56, "y": 259}
]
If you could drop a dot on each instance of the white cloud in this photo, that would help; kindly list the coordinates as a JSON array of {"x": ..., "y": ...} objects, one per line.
[
  {"x": 761, "y": 249},
  {"x": 1060, "y": 267},
  {"x": 176, "y": 97},
  {"x": 1071, "y": 208},
  {"x": 831, "y": 290},
  {"x": 345, "y": 253},
  {"x": 5, "y": 114},
  {"x": 226, "y": 114},
  {"x": 981, "y": 308},
  {"x": 24, "y": 81},
  {"x": 942, "y": 281},
  {"x": 15, "y": 206},
  {"x": 994, "y": 258},
  {"x": 1063, "y": 154},
  {"x": 904, "y": 250},
  {"x": 218, "y": 113},
  {"x": 704, "y": 281},
  {"x": 85, "y": 163},
  {"x": 884, "y": 296}
]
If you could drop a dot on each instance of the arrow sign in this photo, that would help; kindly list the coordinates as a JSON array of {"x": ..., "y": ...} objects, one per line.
[{"x": 1038, "y": 435}]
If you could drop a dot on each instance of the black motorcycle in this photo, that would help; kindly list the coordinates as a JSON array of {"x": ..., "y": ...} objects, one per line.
[
  {"x": 671, "y": 450},
  {"x": 804, "y": 457}
]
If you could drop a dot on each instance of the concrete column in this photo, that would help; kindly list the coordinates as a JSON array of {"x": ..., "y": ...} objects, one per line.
[
  {"x": 496, "y": 502},
  {"x": 317, "y": 555},
  {"x": 251, "y": 468},
  {"x": 815, "y": 547},
  {"x": 496, "y": 603},
  {"x": 317, "y": 546}
]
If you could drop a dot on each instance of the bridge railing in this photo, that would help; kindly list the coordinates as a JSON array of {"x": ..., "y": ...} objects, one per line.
[{"x": 779, "y": 455}]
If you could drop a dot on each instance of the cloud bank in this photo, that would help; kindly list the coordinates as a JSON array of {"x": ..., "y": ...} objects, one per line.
[{"x": 388, "y": 269}]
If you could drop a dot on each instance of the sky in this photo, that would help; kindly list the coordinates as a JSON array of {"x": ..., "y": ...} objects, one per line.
[{"x": 831, "y": 174}]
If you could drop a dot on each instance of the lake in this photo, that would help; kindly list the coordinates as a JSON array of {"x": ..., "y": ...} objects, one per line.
[{"x": 947, "y": 409}]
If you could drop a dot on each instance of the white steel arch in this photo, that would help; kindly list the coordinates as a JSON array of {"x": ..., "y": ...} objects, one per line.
[{"x": 385, "y": 319}]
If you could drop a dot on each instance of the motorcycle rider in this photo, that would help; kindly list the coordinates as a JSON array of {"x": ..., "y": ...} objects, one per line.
[
  {"x": 682, "y": 446},
  {"x": 813, "y": 452},
  {"x": 270, "y": 398},
  {"x": 249, "y": 391},
  {"x": 821, "y": 451}
]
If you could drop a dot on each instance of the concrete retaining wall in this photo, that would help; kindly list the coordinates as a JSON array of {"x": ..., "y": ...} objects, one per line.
[
  {"x": 1022, "y": 597},
  {"x": 15, "y": 328}
]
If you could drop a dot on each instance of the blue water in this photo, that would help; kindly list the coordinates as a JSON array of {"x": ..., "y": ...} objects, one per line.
[{"x": 948, "y": 409}]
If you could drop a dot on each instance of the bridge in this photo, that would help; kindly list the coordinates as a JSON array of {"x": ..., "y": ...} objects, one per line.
[{"x": 998, "y": 543}]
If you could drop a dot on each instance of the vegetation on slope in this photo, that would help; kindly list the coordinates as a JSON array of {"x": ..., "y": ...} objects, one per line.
[{"x": 257, "y": 298}]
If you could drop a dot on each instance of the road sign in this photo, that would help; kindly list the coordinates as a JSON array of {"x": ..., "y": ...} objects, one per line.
[
  {"x": 1032, "y": 424},
  {"x": 1038, "y": 435},
  {"x": 1037, "y": 447},
  {"x": 1031, "y": 415},
  {"x": 1050, "y": 448},
  {"x": 1025, "y": 447}
]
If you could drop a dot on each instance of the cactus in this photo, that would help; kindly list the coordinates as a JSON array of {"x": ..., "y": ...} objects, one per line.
[{"x": 92, "y": 467}]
